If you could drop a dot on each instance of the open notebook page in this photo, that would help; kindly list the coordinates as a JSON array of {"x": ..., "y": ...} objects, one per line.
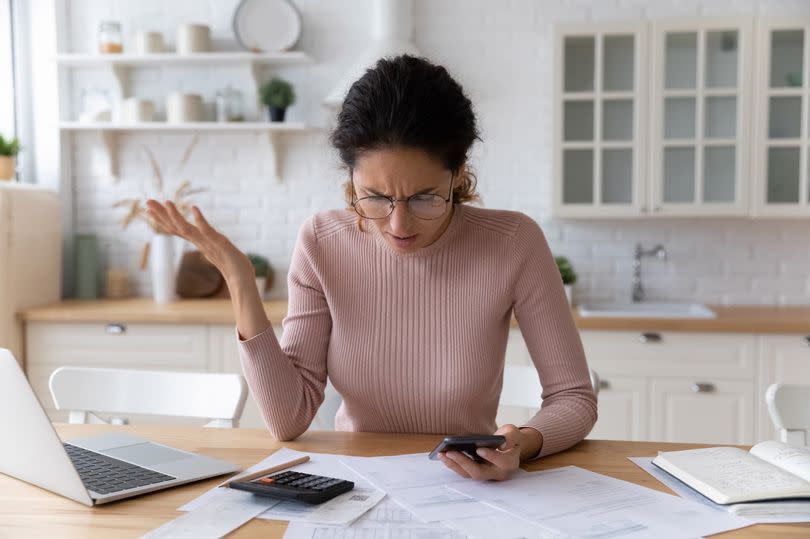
[{"x": 795, "y": 460}]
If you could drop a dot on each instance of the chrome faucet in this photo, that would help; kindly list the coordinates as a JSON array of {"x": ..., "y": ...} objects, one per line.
[{"x": 638, "y": 253}]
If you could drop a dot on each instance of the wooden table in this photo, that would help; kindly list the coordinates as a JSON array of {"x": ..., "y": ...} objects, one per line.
[{"x": 27, "y": 511}]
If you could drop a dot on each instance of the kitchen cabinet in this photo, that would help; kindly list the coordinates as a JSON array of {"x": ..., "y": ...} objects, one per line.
[
  {"x": 662, "y": 386},
  {"x": 176, "y": 347},
  {"x": 712, "y": 121},
  {"x": 599, "y": 104},
  {"x": 700, "y": 103},
  {"x": 666, "y": 386},
  {"x": 782, "y": 130}
]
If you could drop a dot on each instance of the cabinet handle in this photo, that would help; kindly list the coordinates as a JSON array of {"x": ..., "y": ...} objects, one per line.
[
  {"x": 657, "y": 209},
  {"x": 604, "y": 384},
  {"x": 703, "y": 387},
  {"x": 806, "y": 340},
  {"x": 115, "y": 329},
  {"x": 650, "y": 337}
]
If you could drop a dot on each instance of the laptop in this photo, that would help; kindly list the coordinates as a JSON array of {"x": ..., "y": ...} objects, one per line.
[{"x": 92, "y": 470}]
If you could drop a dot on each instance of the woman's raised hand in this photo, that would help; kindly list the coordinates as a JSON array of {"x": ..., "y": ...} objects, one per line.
[{"x": 232, "y": 263}]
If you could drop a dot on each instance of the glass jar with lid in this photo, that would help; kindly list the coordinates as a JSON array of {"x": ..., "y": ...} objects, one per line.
[
  {"x": 109, "y": 37},
  {"x": 229, "y": 105}
]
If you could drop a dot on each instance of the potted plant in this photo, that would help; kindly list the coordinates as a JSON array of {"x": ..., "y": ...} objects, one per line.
[
  {"x": 8, "y": 151},
  {"x": 569, "y": 277},
  {"x": 277, "y": 95},
  {"x": 261, "y": 267}
]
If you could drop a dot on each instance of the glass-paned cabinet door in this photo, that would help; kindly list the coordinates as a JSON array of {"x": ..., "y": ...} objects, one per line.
[
  {"x": 599, "y": 98},
  {"x": 783, "y": 141},
  {"x": 699, "y": 106}
]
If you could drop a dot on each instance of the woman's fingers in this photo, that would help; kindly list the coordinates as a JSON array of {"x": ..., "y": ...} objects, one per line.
[
  {"x": 472, "y": 468},
  {"x": 500, "y": 459},
  {"x": 453, "y": 466}
]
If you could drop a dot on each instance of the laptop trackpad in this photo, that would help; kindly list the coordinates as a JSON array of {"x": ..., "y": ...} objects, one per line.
[{"x": 146, "y": 454}]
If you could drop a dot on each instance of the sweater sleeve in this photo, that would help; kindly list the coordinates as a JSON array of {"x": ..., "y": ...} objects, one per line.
[
  {"x": 568, "y": 411},
  {"x": 288, "y": 378}
]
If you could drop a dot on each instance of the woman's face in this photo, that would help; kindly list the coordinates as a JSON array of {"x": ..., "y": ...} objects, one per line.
[{"x": 400, "y": 173}]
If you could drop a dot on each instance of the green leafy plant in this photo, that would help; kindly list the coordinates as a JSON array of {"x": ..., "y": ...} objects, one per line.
[
  {"x": 566, "y": 270},
  {"x": 261, "y": 266},
  {"x": 277, "y": 93},
  {"x": 10, "y": 147}
]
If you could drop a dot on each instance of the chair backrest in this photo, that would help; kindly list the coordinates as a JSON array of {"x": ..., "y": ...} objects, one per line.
[
  {"x": 789, "y": 407},
  {"x": 82, "y": 391},
  {"x": 521, "y": 386}
]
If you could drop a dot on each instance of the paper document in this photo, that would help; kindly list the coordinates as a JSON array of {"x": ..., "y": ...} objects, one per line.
[
  {"x": 340, "y": 510},
  {"x": 418, "y": 484},
  {"x": 582, "y": 503},
  {"x": 215, "y": 518},
  {"x": 388, "y": 520},
  {"x": 758, "y": 512}
]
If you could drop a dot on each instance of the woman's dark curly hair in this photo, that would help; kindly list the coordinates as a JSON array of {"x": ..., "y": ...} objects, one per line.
[{"x": 408, "y": 102}]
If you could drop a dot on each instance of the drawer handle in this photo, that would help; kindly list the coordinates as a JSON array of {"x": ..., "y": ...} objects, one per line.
[
  {"x": 703, "y": 387},
  {"x": 806, "y": 340},
  {"x": 604, "y": 384},
  {"x": 115, "y": 329},
  {"x": 650, "y": 337}
]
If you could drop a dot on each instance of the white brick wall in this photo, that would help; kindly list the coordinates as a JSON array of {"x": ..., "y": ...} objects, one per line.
[{"x": 501, "y": 53}]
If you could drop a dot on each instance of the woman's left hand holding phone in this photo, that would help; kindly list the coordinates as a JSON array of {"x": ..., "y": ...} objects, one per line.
[{"x": 500, "y": 463}]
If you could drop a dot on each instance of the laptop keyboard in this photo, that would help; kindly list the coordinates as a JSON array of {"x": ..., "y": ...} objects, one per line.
[{"x": 106, "y": 475}]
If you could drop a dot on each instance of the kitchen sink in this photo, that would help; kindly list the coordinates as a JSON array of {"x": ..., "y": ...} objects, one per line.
[{"x": 646, "y": 310}]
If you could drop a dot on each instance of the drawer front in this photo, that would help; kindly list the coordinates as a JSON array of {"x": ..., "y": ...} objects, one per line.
[
  {"x": 145, "y": 346},
  {"x": 671, "y": 353},
  {"x": 702, "y": 410}
]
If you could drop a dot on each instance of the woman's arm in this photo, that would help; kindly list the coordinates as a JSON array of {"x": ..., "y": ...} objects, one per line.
[
  {"x": 568, "y": 410},
  {"x": 287, "y": 380}
]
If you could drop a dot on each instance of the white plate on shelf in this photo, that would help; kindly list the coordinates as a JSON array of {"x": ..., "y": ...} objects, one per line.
[{"x": 266, "y": 25}]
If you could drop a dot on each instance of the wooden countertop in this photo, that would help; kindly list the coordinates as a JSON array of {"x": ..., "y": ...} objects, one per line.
[
  {"x": 27, "y": 511},
  {"x": 739, "y": 319}
]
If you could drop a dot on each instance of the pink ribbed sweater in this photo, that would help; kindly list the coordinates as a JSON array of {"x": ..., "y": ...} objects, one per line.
[{"x": 415, "y": 342}]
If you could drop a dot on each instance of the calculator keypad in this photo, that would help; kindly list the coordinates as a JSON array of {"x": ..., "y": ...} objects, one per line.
[{"x": 300, "y": 480}]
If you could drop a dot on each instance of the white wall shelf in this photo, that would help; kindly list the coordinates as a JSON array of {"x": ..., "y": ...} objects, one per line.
[
  {"x": 120, "y": 64},
  {"x": 109, "y": 132},
  {"x": 169, "y": 58}
]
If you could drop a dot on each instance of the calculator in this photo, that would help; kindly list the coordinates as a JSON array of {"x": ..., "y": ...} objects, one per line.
[{"x": 297, "y": 486}]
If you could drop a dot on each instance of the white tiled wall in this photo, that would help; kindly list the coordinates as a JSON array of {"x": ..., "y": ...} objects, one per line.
[{"x": 501, "y": 53}]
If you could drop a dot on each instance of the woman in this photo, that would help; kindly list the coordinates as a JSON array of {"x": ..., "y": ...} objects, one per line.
[{"x": 405, "y": 299}]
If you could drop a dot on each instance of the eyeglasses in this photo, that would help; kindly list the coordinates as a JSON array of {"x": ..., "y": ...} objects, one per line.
[{"x": 422, "y": 206}]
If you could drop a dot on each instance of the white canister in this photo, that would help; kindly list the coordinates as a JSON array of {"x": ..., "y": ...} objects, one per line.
[
  {"x": 193, "y": 38},
  {"x": 181, "y": 108},
  {"x": 149, "y": 42},
  {"x": 137, "y": 110}
]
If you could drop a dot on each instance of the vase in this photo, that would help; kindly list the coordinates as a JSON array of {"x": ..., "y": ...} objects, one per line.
[
  {"x": 261, "y": 285},
  {"x": 163, "y": 268},
  {"x": 6, "y": 167},
  {"x": 275, "y": 114},
  {"x": 569, "y": 293}
]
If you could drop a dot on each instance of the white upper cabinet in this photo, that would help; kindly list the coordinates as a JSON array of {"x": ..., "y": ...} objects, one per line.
[
  {"x": 699, "y": 112},
  {"x": 782, "y": 131},
  {"x": 599, "y": 99},
  {"x": 697, "y": 117}
]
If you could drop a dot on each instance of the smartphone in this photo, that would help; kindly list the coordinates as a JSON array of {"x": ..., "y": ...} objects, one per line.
[{"x": 467, "y": 445}]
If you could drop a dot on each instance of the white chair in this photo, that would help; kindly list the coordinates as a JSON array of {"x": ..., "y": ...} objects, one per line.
[
  {"x": 521, "y": 386},
  {"x": 325, "y": 418},
  {"x": 83, "y": 391},
  {"x": 789, "y": 407}
]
